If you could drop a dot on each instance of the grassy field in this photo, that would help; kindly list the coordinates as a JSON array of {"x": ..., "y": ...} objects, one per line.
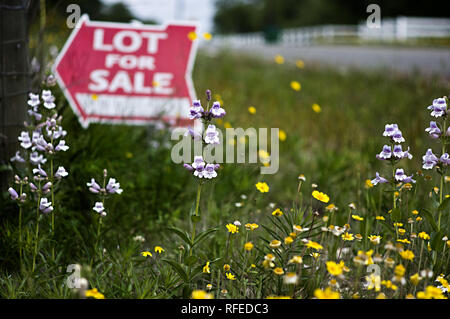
[{"x": 334, "y": 148}]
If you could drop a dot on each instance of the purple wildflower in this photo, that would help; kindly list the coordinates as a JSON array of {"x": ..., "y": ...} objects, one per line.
[
  {"x": 429, "y": 159},
  {"x": 445, "y": 159},
  {"x": 385, "y": 153},
  {"x": 61, "y": 172},
  {"x": 39, "y": 171},
  {"x": 61, "y": 146},
  {"x": 36, "y": 159},
  {"x": 13, "y": 193},
  {"x": 209, "y": 171},
  {"x": 49, "y": 99},
  {"x": 390, "y": 129},
  {"x": 94, "y": 187},
  {"x": 400, "y": 176},
  {"x": 47, "y": 186},
  {"x": 433, "y": 130},
  {"x": 196, "y": 110},
  {"x": 439, "y": 107},
  {"x": 98, "y": 207},
  {"x": 212, "y": 135},
  {"x": 397, "y": 137},
  {"x": 217, "y": 111},
  {"x": 208, "y": 95},
  {"x": 45, "y": 206},
  {"x": 113, "y": 187},
  {"x": 17, "y": 158},
  {"x": 191, "y": 132},
  {"x": 378, "y": 179},
  {"x": 25, "y": 139},
  {"x": 34, "y": 100},
  {"x": 188, "y": 167}
]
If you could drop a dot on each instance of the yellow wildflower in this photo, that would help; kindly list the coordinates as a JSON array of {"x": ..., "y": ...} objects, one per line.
[
  {"x": 94, "y": 293},
  {"x": 232, "y": 228},
  {"x": 262, "y": 187},
  {"x": 328, "y": 293},
  {"x": 201, "y": 294},
  {"x": 320, "y": 196}
]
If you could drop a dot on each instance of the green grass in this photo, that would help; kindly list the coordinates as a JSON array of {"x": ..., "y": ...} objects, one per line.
[{"x": 334, "y": 149}]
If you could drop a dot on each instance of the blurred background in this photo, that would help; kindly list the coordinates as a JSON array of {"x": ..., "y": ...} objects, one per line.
[{"x": 352, "y": 80}]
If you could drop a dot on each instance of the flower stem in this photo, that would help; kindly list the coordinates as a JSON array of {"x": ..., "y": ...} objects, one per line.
[
  {"x": 194, "y": 222},
  {"x": 37, "y": 233}
]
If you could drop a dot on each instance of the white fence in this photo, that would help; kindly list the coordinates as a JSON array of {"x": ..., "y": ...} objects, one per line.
[{"x": 397, "y": 29}]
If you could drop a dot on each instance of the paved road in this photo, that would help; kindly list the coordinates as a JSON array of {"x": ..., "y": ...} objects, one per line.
[{"x": 428, "y": 61}]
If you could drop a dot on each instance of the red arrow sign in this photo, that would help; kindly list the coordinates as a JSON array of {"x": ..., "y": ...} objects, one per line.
[{"x": 128, "y": 73}]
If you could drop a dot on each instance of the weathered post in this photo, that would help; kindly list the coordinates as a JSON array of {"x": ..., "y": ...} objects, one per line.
[{"x": 14, "y": 79}]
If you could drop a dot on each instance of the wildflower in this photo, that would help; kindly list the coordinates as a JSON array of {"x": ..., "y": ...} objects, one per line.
[
  {"x": 424, "y": 235},
  {"x": 146, "y": 254},
  {"x": 192, "y": 35},
  {"x": 357, "y": 217},
  {"x": 401, "y": 231},
  {"x": 399, "y": 270},
  {"x": 207, "y": 36},
  {"x": 300, "y": 64},
  {"x": 94, "y": 293},
  {"x": 290, "y": 278},
  {"x": 373, "y": 282},
  {"x": 262, "y": 187},
  {"x": 252, "y": 226},
  {"x": 347, "y": 236},
  {"x": 331, "y": 208},
  {"x": 45, "y": 206},
  {"x": 209, "y": 286},
  {"x": 277, "y": 212},
  {"x": 445, "y": 159},
  {"x": 314, "y": 245},
  {"x": 212, "y": 135},
  {"x": 248, "y": 246},
  {"x": 278, "y": 271},
  {"x": 230, "y": 276},
  {"x": 328, "y": 293},
  {"x": 113, "y": 187},
  {"x": 405, "y": 241},
  {"x": 159, "y": 249},
  {"x": 386, "y": 153},
  {"x": 282, "y": 135},
  {"x": 407, "y": 254},
  {"x": 201, "y": 294},
  {"x": 98, "y": 207},
  {"x": 389, "y": 285},
  {"x": 206, "y": 269},
  {"x": 334, "y": 268},
  {"x": 301, "y": 177},
  {"x": 279, "y": 59},
  {"x": 61, "y": 172},
  {"x": 380, "y": 218},
  {"x": 139, "y": 238},
  {"x": 320, "y": 196},
  {"x": 288, "y": 240},
  {"x": 415, "y": 279},
  {"x": 375, "y": 239},
  {"x": 296, "y": 260},
  {"x": 389, "y": 262},
  {"x": 295, "y": 85},
  {"x": 251, "y": 109},
  {"x": 402, "y": 177},
  {"x": 226, "y": 267},
  {"x": 431, "y": 292},
  {"x": 316, "y": 108},
  {"x": 399, "y": 153},
  {"x": 352, "y": 206},
  {"x": 439, "y": 107},
  {"x": 315, "y": 255},
  {"x": 233, "y": 229},
  {"x": 433, "y": 130},
  {"x": 275, "y": 243},
  {"x": 429, "y": 160},
  {"x": 368, "y": 184},
  {"x": 390, "y": 130}
]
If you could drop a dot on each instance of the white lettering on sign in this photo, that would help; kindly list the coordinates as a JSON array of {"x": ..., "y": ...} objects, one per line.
[
  {"x": 128, "y": 41},
  {"x": 130, "y": 61},
  {"x": 122, "y": 81}
]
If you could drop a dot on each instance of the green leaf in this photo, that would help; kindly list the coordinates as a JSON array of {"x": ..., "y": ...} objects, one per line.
[
  {"x": 430, "y": 218},
  {"x": 436, "y": 242},
  {"x": 180, "y": 234},
  {"x": 445, "y": 204},
  {"x": 204, "y": 235},
  {"x": 177, "y": 268},
  {"x": 190, "y": 260}
]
